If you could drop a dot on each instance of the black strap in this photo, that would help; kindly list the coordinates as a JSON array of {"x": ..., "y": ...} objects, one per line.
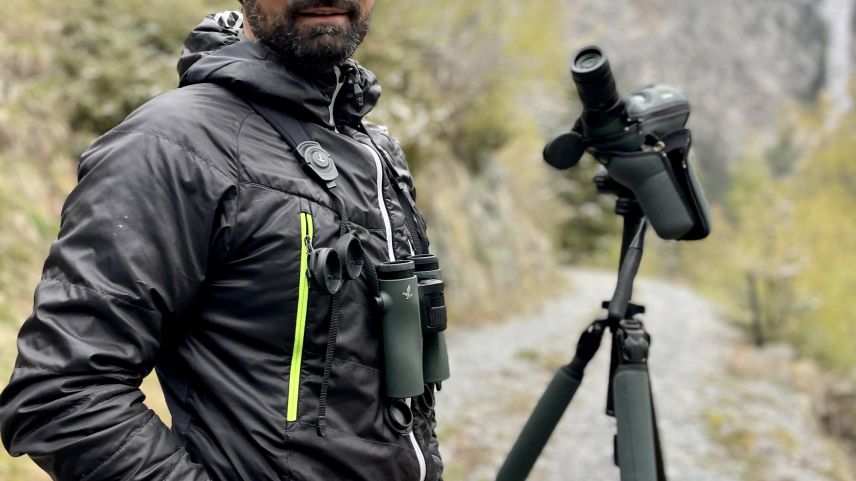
[
  {"x": 332, "y": 334},
  {"x": 414, "y": 221}
]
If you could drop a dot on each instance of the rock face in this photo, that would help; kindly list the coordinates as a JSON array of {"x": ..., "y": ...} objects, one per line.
[
  {"x": 839, "y": 19},
  {"x": 738, "y": 60}
]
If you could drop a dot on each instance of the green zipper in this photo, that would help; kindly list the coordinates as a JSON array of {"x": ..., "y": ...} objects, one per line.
[{"x": 306, "y": 231}]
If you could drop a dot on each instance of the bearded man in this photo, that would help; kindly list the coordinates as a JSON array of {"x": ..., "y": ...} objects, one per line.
[{"x": 186, "y": 248}]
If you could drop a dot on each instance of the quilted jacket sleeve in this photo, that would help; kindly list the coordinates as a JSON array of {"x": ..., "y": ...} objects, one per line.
[{"x": 134, "y": 243}]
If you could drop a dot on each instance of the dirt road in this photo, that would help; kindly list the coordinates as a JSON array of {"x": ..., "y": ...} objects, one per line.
[{"x": 727, "y": 411}]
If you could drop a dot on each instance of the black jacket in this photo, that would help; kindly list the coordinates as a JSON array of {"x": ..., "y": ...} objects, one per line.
[{"x": 180, "y": 250}]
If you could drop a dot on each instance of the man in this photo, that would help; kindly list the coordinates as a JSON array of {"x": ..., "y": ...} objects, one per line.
[{"x": 184, "y": 249}]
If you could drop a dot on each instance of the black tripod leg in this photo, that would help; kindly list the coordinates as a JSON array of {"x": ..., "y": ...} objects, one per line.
[{"x": 540, "y": 426}]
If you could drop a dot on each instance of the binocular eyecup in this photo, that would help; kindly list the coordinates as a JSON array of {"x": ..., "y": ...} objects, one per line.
[
  {"x": 328, "y": 268},
  {"x": 325, "y": 270}
]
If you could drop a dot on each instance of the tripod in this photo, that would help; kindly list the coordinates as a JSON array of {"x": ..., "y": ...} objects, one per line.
[{"x": 637, "y": 450}]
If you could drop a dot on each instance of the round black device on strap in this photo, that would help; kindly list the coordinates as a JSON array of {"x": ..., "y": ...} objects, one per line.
[
  {"x": 398, "y": 416},
  {"x": 351, "y": 253},
  {"x": 325, "y": 269},
  {"x": 319, "y": 162},
  {"x": 426, "y": 401}
]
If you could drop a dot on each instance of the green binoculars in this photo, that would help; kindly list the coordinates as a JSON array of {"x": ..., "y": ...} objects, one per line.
[{"x": 414, "y": 320}]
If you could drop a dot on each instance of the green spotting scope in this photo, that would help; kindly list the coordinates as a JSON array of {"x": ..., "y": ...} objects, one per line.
[{"x": 641, "y": 140}]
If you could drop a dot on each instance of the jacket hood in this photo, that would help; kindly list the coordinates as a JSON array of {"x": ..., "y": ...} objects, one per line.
[{"x": 216, "y": 51}]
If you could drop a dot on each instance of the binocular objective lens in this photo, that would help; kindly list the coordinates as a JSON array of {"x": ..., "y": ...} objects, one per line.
[{"x": 398, "y": 416}]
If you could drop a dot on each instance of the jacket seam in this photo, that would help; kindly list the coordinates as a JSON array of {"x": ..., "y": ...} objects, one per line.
[
  {"x": 342, "y": 361},
  {"x": 240, "y": 163},
  {"x": 310, "y": 199},
  {"x": 36, "y": 367},
  {"x": 352, "y": 436},
  {"x": 184, "y": 148},
  {"x": 103, "y": 461},
  {"x": 101, "y": 293},
  {"x": 174, "y": 467},
  {"x": 283, "y": 191}
]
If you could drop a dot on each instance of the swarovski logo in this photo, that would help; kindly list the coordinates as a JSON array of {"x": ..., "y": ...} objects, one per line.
[
  {"x": 407, "y": 294},
  {"x": 320, "y": 158}
]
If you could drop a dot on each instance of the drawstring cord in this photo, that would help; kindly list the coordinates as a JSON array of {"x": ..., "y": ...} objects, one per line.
[{"x": 333, "y": 329}]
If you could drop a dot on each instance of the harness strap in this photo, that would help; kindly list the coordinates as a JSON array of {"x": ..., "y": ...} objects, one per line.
[{"x": 415, "y": 223}]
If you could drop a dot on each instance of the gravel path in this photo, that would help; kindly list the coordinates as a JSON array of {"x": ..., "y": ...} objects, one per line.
[{"x": 726, "y": 411}]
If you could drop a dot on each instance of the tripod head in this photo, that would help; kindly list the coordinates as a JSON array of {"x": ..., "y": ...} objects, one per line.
[{"x": 641, "y": 141}]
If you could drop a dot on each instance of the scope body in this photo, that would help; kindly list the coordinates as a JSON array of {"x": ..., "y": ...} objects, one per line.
[{"x": 611, "y": 122}]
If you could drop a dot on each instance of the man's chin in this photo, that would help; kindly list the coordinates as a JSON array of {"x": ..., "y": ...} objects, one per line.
[{"x": 314, "y": 56}]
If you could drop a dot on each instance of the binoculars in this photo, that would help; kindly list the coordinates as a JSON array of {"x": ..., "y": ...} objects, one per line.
[{"x": 413, "y": 303}]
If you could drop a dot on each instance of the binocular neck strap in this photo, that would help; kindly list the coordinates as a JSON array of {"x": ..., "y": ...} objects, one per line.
[{"x": 413, "y": 218}]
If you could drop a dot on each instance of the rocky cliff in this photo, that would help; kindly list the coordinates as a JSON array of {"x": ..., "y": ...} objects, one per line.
[{"x": 738, "y": 60}]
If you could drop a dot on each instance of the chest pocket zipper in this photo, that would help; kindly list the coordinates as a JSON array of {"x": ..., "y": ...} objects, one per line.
[{"x": 306, "y": 233}]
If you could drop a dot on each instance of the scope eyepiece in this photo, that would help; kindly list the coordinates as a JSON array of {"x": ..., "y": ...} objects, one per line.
[
  {"x": 593, "y": 77},
  {"x": 588, "y": 60}
]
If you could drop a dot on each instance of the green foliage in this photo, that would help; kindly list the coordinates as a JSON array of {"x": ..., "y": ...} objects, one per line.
[
  {"x": 70, "y": 70},
  {"x": 781, "y": 254},
  {"x": 464, "y": 83},
  {"x": 461, "y": 84},
  {"x": 459, "y": 76}
]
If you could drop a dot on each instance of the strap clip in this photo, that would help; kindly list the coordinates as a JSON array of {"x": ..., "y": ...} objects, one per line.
[{"x": 318, "y": 162}]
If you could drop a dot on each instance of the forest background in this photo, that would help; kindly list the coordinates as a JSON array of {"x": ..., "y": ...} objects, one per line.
[{"x": 473, "y": 90}]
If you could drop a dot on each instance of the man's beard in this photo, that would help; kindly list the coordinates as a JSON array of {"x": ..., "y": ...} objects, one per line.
[{"x": 313, "y": 47}]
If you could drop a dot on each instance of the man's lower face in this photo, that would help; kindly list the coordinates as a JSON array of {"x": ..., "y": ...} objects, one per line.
[{"x": 312, "y": 34}]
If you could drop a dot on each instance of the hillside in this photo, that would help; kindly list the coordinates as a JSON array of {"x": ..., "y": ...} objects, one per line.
[{"x": 473, "y": 90}]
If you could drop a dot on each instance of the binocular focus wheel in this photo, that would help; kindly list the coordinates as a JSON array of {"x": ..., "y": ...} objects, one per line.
[
  {"x": 350, "y": 251},
  {"x": 325, "y": 268},
  {"x": 398, "y": 416}
]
